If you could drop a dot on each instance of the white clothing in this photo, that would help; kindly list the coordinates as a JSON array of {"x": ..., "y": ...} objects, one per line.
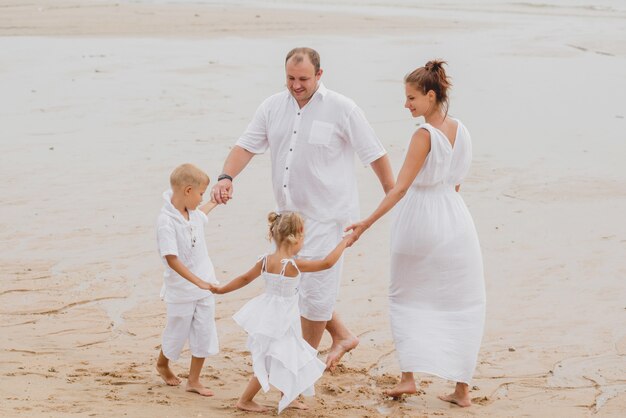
[
  {"x": 280, "y": 356},
  {"x": 319, "y": 290},
  {"x": 437, "y": 292},
  {"x": 184, "y": 239},
  {"x": 312, "y": 152},
  {"x": 194, "y": 321}
]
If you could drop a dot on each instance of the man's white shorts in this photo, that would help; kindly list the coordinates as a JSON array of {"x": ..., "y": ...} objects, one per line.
[
  {"x": 319, "y": 290},
  {"x": 193, "y": 321}
]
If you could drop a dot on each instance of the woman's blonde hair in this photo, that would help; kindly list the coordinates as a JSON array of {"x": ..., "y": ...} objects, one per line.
[{"x": 286, "y": 226}]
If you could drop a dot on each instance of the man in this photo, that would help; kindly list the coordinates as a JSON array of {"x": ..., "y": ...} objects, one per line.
[{"x": 312, "y": 133}]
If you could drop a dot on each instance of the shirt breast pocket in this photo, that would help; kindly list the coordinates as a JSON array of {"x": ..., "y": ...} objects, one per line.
[{"x": 321, "y": 133}]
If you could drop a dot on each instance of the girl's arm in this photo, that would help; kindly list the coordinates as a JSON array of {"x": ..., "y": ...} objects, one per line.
[
  {"x": 178, "y": 266},
  {"x": 307, "y": 266},
  {"x": 413, "y": 162},
  {"x": 238, "y": 282}
]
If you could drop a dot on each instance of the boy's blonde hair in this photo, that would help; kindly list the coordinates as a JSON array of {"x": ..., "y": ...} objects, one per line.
[
  {"x": 188, "y": 175},
  {"x": 286, "y": 226}
]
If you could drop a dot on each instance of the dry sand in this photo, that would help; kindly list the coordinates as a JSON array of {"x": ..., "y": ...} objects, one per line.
[{"x": 100, "y": 100}]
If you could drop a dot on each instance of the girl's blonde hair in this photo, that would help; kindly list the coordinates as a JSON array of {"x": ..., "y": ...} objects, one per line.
[{"x": 285, "y": 227}]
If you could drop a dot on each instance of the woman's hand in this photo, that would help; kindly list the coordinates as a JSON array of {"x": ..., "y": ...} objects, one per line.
[{"x": 357, "y": 229}]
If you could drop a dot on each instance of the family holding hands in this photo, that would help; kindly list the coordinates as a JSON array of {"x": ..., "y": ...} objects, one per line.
[{"x": 436, "y": 294}]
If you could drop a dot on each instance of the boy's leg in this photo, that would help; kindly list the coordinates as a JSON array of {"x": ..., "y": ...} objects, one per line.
[
  {"x": 202, "y": 343},
  {"x": 193, "y": 382},
  {"x": 174, "y": 336},
  {"x": 245, "y": 402},
  {"x": 163, "y": 367}
]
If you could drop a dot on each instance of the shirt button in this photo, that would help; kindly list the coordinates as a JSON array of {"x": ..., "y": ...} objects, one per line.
[
  {"x": 294, "y": 132},
  {"x": 286, "y": 168},
  {"x": 284, "y": 185},
  {"x": 298, "y": 113},
  {"x": 290, "y": 149}
]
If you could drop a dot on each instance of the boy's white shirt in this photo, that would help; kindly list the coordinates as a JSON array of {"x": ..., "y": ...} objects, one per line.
[{"x": 174, "y": 237}]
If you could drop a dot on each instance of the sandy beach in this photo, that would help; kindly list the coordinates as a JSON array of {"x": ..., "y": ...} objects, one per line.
[{"x": 100, "y": 100}]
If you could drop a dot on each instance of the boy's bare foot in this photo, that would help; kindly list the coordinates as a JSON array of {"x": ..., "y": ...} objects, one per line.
[
  {"x": 251, "y": 406},
  {"x": 198, "y": 388},
  {"x": 168, "y": 376},
  {"x": 338, "y": 349},
  {"x": 460, "y": 400},
  {"x": 298, "y": 405},
  {"x": 402, "y": 388}
]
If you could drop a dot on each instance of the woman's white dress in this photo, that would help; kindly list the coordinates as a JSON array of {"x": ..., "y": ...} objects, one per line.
[
  {"x": 280, "y": 356},
  {"x": 437, "y": 293}
]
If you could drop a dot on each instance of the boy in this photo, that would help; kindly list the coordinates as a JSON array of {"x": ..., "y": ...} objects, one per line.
[{"x": 188, "y": 273}]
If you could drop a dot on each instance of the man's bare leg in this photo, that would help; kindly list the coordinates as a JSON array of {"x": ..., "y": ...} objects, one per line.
[
  {"x": 312, "y": 331},
  {"x": 343, "y": 341}
]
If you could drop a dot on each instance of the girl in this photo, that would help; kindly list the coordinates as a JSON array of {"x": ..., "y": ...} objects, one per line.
[
  {"x": 437, "y": 291},
  {"x": 280, "y": 356}
]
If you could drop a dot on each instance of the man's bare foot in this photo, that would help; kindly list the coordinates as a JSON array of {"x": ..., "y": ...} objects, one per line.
[
  {"x": 251, "y": 406},
  {"x": 338, "y": 349},
  {"x": 298, "y": 405},
  {"x": 460, "y": 400},
  {"x": 402, "y": 388},
  {"x": 198, "y": 388},
  {"x": 168, "y": 376}
]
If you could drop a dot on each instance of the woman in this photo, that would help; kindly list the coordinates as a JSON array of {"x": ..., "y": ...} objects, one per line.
[{"x": 437, "y": 295}]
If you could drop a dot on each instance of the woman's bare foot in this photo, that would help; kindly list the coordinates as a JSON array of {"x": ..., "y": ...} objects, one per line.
[
  {"x": 298, "y": 405},
  {"x": 198, "y": 388},
  {"x": 402, "y": 388},
  {"x": 251, "y": 406},
  {"x": 338, "y": 349},
  {"x": 458, "y": 399},
  {"x": 168, "y": 376}
]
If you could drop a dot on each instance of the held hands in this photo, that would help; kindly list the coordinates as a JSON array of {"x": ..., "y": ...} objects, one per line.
[
  {"x": 222, "y": 192},
  {"x": 211, "y": 287},
  {"x": 357, "y": 229}
]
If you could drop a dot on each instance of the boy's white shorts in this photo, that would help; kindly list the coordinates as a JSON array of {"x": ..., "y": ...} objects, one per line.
[
  {"x": 193, "y": 321},
  {"x": 319, "y": 290}
]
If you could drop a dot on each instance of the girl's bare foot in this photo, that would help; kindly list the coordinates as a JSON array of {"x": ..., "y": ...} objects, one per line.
[
  {"x": 168, "y": 376},
  {"x": 298, "y": 405},
  {"x": 404, "y": 387},
  {"x": 198, "y": 388},
  {"x": 460, "y": 400},
  {"x": 338, "y": 349},
  {"x": 251, "y": 406}
]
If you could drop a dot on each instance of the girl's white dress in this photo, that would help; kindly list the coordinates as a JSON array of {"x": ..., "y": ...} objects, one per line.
[
  {"x": 437, "y": 293},
  {"x": 280, "y": 356}
]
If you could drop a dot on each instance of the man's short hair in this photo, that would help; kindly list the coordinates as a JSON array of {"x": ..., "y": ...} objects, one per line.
[
  {"x": 298, "y": 56},
  {"x": 188, "y": 175}
]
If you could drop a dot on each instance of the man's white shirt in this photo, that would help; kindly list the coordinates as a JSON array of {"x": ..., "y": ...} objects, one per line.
[{"x": 312, "y": 152}]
